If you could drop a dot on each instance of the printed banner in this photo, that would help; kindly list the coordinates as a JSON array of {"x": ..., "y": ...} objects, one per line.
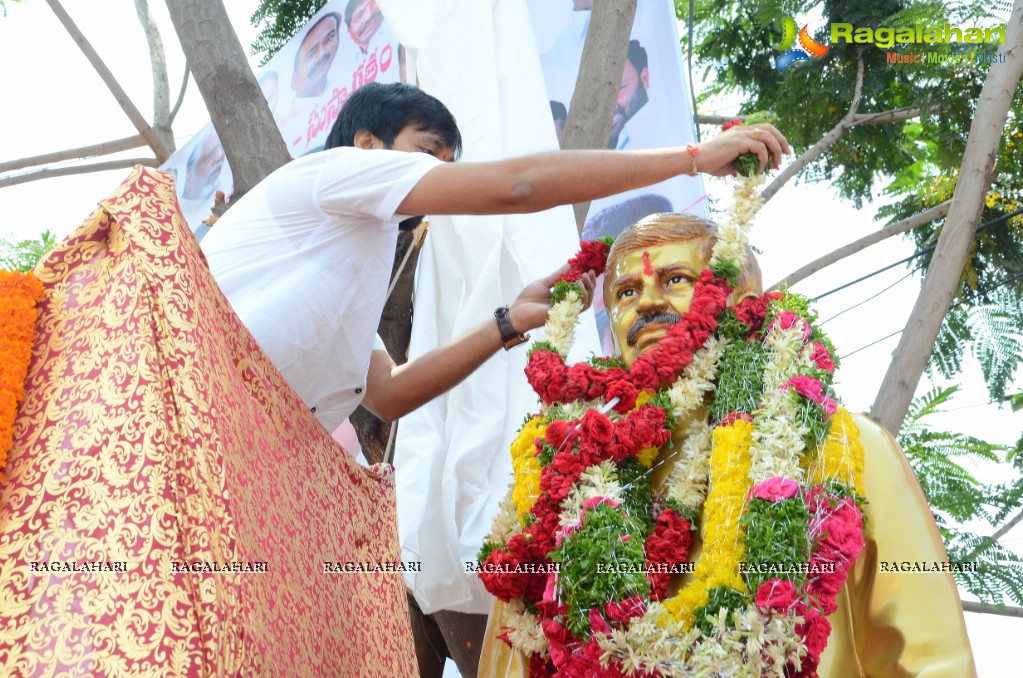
[
  {"x": 653, "y": 109},
  {"x": 346, "y": 45}
]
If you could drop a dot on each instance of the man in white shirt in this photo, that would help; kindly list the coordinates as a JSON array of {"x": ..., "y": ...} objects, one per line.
[{"x": 304, "y": 257}]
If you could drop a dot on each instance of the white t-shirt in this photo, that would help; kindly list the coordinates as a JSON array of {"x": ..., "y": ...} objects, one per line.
[{"x": 305, "y": 258}]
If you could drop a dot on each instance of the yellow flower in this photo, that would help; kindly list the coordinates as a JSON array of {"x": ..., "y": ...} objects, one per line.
[
  {"x": 840, "y": 457},
  {"x": 525, "y": 467},
  {"x": 723, "y": 549}
]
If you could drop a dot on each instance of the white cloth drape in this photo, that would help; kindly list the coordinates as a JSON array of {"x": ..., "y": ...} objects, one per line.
[{"x": 453, "y": 467}]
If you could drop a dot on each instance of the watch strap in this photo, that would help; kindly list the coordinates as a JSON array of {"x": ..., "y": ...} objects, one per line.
[{"x": 510, "y": 337}]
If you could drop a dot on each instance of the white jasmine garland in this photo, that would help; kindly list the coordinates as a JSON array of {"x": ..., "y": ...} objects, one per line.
[
  {"x": 523, "y": 630},
  {"x": 697, "y": 380},
  {"x": 561, "y": 322},
  {"x": 687, "y": 483},
  {"x": 596, "y": 481},
  {"x": 506, "y": 523}
]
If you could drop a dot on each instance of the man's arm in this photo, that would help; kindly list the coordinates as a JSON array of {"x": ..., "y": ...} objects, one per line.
[
  {"x": 537, "y": 182},
  {"x": 393, "y": 391}
]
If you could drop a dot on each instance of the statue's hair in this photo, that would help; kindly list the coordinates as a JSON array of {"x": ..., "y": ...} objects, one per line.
[{"x": 670, "y": 227}]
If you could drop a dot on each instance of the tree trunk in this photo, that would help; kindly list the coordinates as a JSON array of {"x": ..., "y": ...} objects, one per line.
[
  {"x": 239, "y": 112},
  {"x": 600, "y": 76},
  {"x": 952, "y": 250}
]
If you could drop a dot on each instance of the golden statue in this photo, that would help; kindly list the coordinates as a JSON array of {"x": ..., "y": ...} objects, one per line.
[{"x": 888, "y": 622}]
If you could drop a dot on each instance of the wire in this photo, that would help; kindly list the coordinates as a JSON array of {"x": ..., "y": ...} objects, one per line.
[
  {"x": 991, "y": 224},
  {"x": 978, "y": 293},
  {"x": 821, "y": 324}
]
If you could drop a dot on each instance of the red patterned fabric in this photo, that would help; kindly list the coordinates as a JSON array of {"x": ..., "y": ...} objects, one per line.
[{"x": 154, "y": 431}]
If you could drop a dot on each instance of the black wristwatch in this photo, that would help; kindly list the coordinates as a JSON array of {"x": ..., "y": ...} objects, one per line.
[{"x": 509, "y": 335}]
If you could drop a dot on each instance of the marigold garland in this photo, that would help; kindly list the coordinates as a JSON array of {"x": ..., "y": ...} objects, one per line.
[{"x": 19, "y": 294}]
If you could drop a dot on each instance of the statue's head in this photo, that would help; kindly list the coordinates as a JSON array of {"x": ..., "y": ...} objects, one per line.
[{"x": 651, "y": 272}]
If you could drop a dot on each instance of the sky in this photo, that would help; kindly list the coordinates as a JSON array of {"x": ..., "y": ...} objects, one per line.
[{"x": 54, "y": 100}]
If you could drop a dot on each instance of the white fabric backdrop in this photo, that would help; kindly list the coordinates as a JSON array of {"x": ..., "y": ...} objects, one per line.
[{"x": 452, "y": 455}]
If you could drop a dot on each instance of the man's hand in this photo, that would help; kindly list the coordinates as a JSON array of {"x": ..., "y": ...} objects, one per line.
[
  {"x": 717, "y": 156},
  {"x": 529, "y": 310}
]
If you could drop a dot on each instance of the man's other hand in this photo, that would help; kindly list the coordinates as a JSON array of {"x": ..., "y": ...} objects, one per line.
[{"x": 529, "y": 310}]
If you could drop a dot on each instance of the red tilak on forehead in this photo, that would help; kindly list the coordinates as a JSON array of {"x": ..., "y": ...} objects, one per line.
[{"x": 647, "y": 268}]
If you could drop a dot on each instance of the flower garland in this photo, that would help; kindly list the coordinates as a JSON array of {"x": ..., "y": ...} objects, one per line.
[
  {"x": 19, "y": 294},
  {"x": 586, "y": 548}
]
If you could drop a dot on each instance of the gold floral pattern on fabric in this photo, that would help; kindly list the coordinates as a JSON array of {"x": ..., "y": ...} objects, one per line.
[{"x": 156, "y": 438}]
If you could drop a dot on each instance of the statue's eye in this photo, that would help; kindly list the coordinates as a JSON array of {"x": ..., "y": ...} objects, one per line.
[
  {"x": 627, "y": 292},
  {"x": 677, "y": 279}
]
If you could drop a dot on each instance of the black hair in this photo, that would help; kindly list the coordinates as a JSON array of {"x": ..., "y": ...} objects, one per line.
[
  {"x": 329, "y": 15},
  {"x": 385, "y": 110},
  {"x": 637, "y": 56}
]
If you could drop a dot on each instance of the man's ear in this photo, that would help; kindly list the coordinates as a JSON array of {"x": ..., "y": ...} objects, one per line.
[
  {"x": 366, "y": 140},
  {"x": 644, "y": 77}
]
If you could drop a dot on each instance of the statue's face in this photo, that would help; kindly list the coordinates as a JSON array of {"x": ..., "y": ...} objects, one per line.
[{"x": 652, "y": 288}]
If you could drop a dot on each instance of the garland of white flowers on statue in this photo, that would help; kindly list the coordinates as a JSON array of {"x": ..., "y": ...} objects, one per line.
[{"x": 584, "y": 547}]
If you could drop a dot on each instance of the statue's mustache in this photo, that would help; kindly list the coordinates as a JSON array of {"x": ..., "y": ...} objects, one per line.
[{"x": 669, "y": 317}]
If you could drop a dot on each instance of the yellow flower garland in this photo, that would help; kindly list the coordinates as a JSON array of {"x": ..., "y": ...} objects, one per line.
[
  {"x": 841, "y": 455},
  {"x": 19, "y": 294},
  {"x": 526, "y": 468},
  {"x": 722, "y": 541}
]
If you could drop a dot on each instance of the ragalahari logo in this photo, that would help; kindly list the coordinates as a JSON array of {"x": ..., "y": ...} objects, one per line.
[{"x": 807, "y": 49}]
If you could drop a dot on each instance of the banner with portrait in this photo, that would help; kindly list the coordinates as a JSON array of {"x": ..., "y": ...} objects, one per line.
[
  {"x": 346, "y": 45},
  {"x": 653, "y": 108}
]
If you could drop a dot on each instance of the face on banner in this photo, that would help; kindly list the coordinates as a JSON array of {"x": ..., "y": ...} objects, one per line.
[
  {"x": 346, "y": 45},
  {"x": 315, "y": 55}
]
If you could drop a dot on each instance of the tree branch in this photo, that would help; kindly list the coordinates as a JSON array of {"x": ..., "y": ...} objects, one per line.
[
  {"x": 51, "y": 172},
  {"x": 825, "y": 143},
  {"x": 147, "y": 132},
  {"x": 181, "y": 97},
  {"x": 1002, "y": 531},
  {"x": 981, "y": 608},
  {"x": 158, "y": 65},
  {"x": 894, "y": 115},
  {"x": 104, "y": 148},
  {"x": 908, "y": 224},
  {"x": 717, "y": 119}
]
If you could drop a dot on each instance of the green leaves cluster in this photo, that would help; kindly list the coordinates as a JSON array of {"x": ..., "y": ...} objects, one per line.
[
  {"x": 776, "y": 534},
  {"x": 942, "y": 461},
  {"x": 598, "y": 542},
  {"x": 23, "y": 255}
]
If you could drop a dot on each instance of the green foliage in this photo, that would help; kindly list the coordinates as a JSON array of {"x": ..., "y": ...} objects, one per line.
[
  {"x": 278, "y": 21},
  {"x": 598, "y": 542},
  {"x": 740, "y": 379},
  {"x": 562, "y": 288},
  {"x": 606, "y": 362},
  {"x": 776, "y": 535},
  {"x": 637, "y": 493},
  {"x": 23, "y": 255},
  {"x": 717, "y": 598},
  {"x": 957, "y": 496},
  {"x": 485, "y": 551}
]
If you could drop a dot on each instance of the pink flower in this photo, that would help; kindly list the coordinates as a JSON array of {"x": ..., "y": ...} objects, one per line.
[
  {"x": 597, "y": 622},
  {"x": 777, "y": 594},
  {"x": 821, "y": 357},
  {"x": 593, "y": 502},
  {"x": 808, "y": 387},
  {"x": 775, "y": 489},
  {"x": 787, "y": 320},
  {"x": 829, "y": 405}
]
